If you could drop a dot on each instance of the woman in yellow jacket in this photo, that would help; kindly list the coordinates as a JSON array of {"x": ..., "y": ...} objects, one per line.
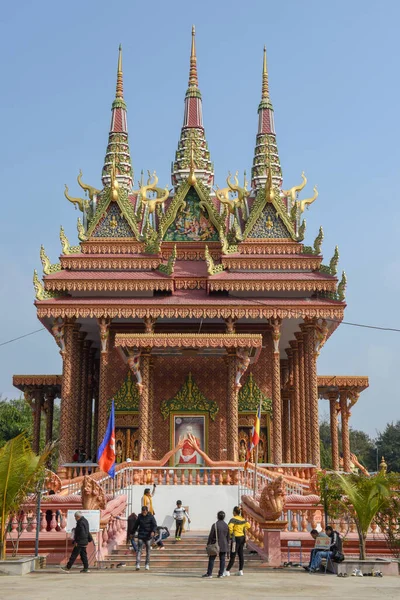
[
  {"x": 147, "y": 499},
  {"x": 237, "y": 529}
]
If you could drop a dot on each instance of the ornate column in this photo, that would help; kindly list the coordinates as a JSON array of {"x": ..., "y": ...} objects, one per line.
[
  {"x": 232, "y": 419},
  {"x": 276, "y": 393},
  {"x": 37, "y": 415},
  {"x": 85, "y": 348},
  {"x": 96, "y": 393},
  {"x": 345, "y": 431},
  {"x": 307, "y": 395},
  {"x": 128, "y": 444},
  {"x": 291, "y": 452},
  {"x": 303, "y": 414},
  {"x": 89, "y": 402},
  {"x": 311, "y": 346},
  {"x": 334, "y": 409},
  {"x": 67, "y": 408},
  {"x": 102, "y": 415},
  {"x": 296, "y": 397},
  {"x": 49, "y": 410},
  {"x": 151, "y": 408},
  {"x": 144, "y": 408},
  {"x": 286, "y": 427}
]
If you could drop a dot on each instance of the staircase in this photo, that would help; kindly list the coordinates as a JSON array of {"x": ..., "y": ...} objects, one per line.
[{"x": 186, "y": 556}]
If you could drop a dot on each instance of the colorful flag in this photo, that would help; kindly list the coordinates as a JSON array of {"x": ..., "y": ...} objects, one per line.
[
  {"x": 106, "y": 451},
  {"x": 255, "y": 436}
]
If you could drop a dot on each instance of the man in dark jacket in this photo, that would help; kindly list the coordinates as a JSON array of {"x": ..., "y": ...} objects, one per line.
[
  {"x": 219, "y": 533},
  {"x": 146, "y": 526},
  {"x": 82, "y": 537}
]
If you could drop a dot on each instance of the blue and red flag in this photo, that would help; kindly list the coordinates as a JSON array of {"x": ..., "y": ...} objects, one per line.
[{"x": 106, "y": 451}]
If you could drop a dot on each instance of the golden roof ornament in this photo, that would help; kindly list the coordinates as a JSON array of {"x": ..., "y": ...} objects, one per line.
[
  {"x": 161, "y": 194},
  {"x": 226, "y": 200},
  {"x": 294, "y": 191},
  {"x": 302, "y": 204},
  {"x": 90, "y": 190},
  {"x": 78, "y": 202},
  {"x": 192, "y": 177}
]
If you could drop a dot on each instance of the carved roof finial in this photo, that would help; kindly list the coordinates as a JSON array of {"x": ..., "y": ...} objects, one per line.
[
  {"x": 265, "y": 85},
  {"x": 120, "y": 83},
  {"x": 193, "y": 79}
]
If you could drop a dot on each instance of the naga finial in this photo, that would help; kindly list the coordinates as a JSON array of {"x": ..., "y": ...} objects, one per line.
[
  {"x": 88, "y": 188},
  {"x": 333, "y": 264},
  {"x": 64, "y": 241},
  {"x": 341, "y": 289},
  {"x": 45, "y": 260},
  {"x": 318, "y": 241},
  {"x": 302, "y": 204},
  {"x": 294, "y": 191},
  {"x": 38, "y": 285},
  {"x": 80, "y": 202},
  {"x": 223, "y": 194},
  {"x": 302, "y": 231},
  {"x": 81, "y": 231}
]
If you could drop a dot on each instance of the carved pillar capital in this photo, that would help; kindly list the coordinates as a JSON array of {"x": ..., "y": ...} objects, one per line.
[
  {"x": 230, "y": 325},
  {"x": 104, "y": 327},
  {"x": 276, "y": 333},
  {"x": 149, "y": 323}
]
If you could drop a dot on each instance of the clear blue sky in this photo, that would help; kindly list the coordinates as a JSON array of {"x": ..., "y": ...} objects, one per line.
[{"x": 334, "y": 82}]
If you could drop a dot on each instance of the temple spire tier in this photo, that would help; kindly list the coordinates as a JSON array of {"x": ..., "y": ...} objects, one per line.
[
  {"x": 266, "y": 150},
  {"x": 118, "y": 145},
  {"x": 192, "y": 154}
]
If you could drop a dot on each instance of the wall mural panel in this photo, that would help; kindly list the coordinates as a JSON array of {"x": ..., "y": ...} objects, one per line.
[{"x": 191, "y": 223}]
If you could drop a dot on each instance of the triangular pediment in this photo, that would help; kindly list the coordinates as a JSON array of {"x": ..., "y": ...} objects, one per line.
[
  {"x": 113, "y": 224},
  {"x": 269, "y": 225},
  {"x": 250, "y": 397},
  {"x": 191, "y": 223},
  {"x": 127, "y": 398}
]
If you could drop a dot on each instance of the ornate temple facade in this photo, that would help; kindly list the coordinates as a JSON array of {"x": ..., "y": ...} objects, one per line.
[{"x": 192, "y": 307}]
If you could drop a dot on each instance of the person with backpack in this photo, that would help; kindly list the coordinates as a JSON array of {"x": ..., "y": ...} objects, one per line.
[
  {"x": 218, "y": 542},
  {"x": 237, "y": 531},
  {"x": 334, "y": 552}
]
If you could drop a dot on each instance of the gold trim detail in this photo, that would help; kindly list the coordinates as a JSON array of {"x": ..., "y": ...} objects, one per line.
[
  {"x": 189, "y": 399},
  {"x": 188, "y": 340}
]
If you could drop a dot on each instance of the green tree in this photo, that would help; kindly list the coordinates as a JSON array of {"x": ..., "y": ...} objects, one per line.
[
  {"x": 360, "y": 443},
  {"x": 15, "y": 417},
  {"x": 365, "y": 497},
  {"x": 388, "y": 443},
  {"x": 20, "y": 469}
]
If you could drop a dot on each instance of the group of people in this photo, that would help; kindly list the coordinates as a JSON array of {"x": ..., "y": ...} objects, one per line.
[
  {"x": 225, "y": 539},
  {"x": 332, "y": 549}
]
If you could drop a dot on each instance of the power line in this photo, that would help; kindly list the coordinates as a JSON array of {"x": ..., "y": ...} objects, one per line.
[
  {"x": 253, "y": 300},
  {"x": 22, "y": 336}
]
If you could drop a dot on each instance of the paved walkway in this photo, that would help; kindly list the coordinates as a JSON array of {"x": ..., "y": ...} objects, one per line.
[{"x": 126, "y": 585}]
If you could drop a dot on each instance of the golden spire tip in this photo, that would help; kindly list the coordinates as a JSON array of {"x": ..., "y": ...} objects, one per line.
[
  {"x": 120, "y": 86},
  {"x": 193, "y": 80},
  {"x": 265, "y": 85}
]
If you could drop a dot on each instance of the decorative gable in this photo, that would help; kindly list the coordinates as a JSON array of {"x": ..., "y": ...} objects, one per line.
[
  {"x": 269, "y": 225},
  {"x": 127, "y": 397},
  {"x": 188, "y": 399},
  {"x": 250, "y": 397},
  {"x": 191, "y": 223},
  {"x": 113, "y": 224}
]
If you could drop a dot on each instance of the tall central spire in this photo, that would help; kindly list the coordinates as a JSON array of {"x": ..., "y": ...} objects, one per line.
[
  {"x": 192, "y": 146},
  {"x": 266, "y": 151},
  {"x": 118, "y": 146}
]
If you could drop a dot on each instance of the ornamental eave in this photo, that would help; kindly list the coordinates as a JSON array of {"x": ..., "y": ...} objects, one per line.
[
  {"x": 333, "y": 383},
  {"x": 197, "y": 306},
  {"x": 188, "y": 340},
  {"x": 23, "y": 381}
]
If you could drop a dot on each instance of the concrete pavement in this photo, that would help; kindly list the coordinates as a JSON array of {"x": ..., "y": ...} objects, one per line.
[{"x": 121, "y": 585}]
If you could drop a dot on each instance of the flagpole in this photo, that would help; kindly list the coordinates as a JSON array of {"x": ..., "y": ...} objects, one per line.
[{"x": 255, "y": 472}]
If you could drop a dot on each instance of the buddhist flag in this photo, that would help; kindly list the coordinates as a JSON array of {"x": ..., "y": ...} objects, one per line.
[
  {"x": 255, "y": 438},
  {"x": 106, "y": 451}
]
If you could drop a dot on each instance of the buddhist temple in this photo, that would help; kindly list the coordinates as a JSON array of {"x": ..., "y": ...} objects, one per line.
[{"x": 193, "y": 304}]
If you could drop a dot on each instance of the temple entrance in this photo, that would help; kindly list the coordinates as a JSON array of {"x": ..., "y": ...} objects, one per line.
[{"x": 126, "y": 444}]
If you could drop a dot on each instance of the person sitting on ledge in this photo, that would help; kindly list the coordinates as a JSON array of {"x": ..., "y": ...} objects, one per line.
[{"x": 335, "y": 548}]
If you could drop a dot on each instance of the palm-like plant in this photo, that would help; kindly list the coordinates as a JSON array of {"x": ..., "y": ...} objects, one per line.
[
  {"x": 366, "y": 496},
  {"x": 20, "y": 469}
]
